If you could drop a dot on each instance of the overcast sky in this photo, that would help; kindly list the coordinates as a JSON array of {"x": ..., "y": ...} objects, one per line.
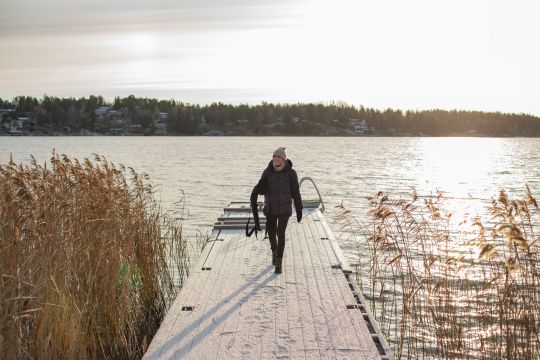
[{"x": 415, "y": 54}]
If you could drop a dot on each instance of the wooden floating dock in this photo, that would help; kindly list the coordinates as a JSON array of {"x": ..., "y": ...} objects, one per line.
[{"x": 233, "y": 306}]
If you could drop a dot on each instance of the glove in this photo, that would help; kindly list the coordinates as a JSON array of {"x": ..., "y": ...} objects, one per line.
[{"x": 299, "y": 215}]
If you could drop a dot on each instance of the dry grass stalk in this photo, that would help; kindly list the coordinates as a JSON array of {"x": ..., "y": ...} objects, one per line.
[
  {"x": 445, "y": 292},
  {"x": 85, "y": 256}
]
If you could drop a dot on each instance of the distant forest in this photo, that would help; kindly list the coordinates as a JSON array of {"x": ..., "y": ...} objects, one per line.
[{"x": 132, "y": 115}]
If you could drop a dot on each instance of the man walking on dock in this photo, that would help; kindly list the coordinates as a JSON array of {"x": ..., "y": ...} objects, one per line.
[{"x": 279, "y": 184}]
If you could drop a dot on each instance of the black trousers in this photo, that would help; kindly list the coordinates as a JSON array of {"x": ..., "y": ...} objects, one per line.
[{"x": 276, "y": 225}]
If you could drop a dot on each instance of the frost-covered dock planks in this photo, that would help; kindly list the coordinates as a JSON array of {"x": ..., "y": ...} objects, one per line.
[{"x": 233, "y": 306}]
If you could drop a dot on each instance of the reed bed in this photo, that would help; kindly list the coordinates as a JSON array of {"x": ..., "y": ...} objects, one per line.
[
  {"x": 86, "y": 260},
  {"x": 441, "y": 290}
]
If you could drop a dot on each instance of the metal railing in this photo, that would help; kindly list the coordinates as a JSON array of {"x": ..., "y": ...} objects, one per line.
[{"x": 307, "y": 178}]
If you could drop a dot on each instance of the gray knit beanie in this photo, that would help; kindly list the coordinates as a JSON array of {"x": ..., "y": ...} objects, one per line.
[{"x": 281, "y": 152}]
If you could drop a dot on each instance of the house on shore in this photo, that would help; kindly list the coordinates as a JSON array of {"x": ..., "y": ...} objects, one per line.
[{"x": 359, "y": 127}]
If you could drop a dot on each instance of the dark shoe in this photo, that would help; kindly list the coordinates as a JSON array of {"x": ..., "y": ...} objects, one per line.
[
  {"x": 278, "y": 265},
  {"x": 274, "y": 257}
]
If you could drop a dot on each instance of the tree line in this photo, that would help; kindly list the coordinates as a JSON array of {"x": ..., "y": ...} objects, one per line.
[{"x": 57, "y": 114}]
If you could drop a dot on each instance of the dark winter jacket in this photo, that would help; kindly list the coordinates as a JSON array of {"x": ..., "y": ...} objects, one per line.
[{"x": 280, "y": 188}]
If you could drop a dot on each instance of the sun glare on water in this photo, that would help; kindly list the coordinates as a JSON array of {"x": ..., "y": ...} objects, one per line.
[
  {"x": 459, "y": 167},
  {"x": 463, "y": 170}
]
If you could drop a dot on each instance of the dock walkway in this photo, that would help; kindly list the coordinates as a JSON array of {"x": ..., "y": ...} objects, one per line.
[{"x": 233, "y": 306}]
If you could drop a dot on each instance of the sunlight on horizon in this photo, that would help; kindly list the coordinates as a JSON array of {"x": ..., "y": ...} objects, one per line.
[{"x": 137, "y": 43}]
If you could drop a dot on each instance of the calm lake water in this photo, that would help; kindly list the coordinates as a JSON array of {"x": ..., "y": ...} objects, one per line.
[{"x": 212, "y": 171}]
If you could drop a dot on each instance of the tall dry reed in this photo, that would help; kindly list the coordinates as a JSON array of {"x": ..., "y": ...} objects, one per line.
[
  {"x": 85, "y": 256},
  {"x": 441, "y": 290}
]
